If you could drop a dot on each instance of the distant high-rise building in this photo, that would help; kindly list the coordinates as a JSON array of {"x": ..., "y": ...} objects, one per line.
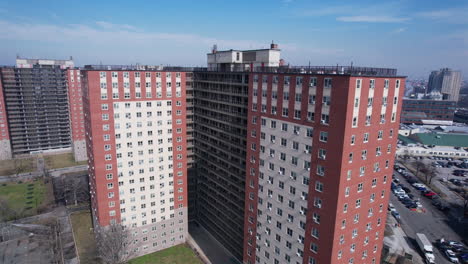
[
  {"x": 447, "y": 82},
  {"x": 35, "y": 101}
]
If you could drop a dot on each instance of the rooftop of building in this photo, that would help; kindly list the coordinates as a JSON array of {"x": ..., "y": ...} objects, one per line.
[{"x": 306, "y": 70}]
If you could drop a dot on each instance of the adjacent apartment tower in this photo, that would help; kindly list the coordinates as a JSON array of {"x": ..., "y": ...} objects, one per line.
[
  {"x": 36, "y": 106},
  {"x": 221, "y": 108},
  {"x": 39, "y": 99},
  {"x": 136, "y": 140},
  {"x": 447, "y": 82},
  {"x": 320, "y": 153}
]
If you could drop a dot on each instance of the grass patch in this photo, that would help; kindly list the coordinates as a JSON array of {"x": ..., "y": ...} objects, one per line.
[
  {"x": 180, "y": 254},
  {"x": 84, "y": 237},
  {"x": 7, "y": 167},
  {"x": 24, "y": 200},
  {"x": 61, "y": 161}
]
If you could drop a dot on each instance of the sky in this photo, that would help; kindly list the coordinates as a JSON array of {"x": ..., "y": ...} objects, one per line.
[{"x": 414, "y": 36}]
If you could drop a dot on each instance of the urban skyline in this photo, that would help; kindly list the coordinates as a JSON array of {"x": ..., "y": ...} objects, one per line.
[{"x": 322, "y": 34}]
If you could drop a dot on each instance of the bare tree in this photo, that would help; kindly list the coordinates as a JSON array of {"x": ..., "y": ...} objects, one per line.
[
  {"x": 19, "y": 167},
  {"x": 464, "y": 195},
  {"x": 419, "y": 166},
  {"x": 113, "y": 244},
  {"x": 72, "y": 188},
  {"x": 429, "y": 173},
  {"x": 6, "y": 212}
]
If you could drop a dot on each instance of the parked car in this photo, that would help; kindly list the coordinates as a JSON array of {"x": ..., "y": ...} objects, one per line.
[
  {"x": 406, "y": 189},
  {"x": 396, "y": 215},
  {"x": 451, "y": 256},
  {"x": 391, "y": 207},
  {"x": 429, "y": 193},
  {"x": 411, "y": 180}
]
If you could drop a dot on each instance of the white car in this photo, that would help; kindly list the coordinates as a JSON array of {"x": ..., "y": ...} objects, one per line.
[
  {"x": 451, "y": 256},
  {"x": 399, "y": 192},
  {"x": 419, "y": 185}
]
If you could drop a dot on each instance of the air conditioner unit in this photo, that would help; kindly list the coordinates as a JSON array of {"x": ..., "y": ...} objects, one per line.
[
  {"x": 272, "y": 155},
  {"x": 272, "y": 141},
  {"x": 322, "y": 121},
  {"x": 266, "y": 244},
  {"x": 303, "y": 197},
  {"x": 290, "y": 220},
  {"x": 300, "y": 241},
  {"x": 308, "y": 169},
  {"x": 270, "y": 195},
  {"x": 269, "y": 208},
  {"x": 298, "y": 254},
  {"x": 280, "y": 172},
  {"x": 318, "y": 205},
  {"x": 269, "y": 221},
  {"x": 322, "y": 156},
  {"x": 296, "y": 132},
  {"x": 364, "y": 157},
  {"x": 274, "y": 112},
  {"x": 270, "y": 182},
  {"x": 292, "y": 177},
  {"x": 302, "y": 212},
  {"x": 379, "y": 152},
  {"x": 377, "y": 170}
]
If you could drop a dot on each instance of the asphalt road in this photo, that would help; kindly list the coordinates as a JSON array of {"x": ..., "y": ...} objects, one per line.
[{"x": 433, "y": 223}]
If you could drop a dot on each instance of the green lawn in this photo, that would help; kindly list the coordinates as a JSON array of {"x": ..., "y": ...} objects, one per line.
[
  {"x": 7, "y": 167},
  {"x": 61, "y": 161},
  {"x": 25, "y": 198},
  {"x": 180, "y": 254},
  {"x": 84, "y": 238}
]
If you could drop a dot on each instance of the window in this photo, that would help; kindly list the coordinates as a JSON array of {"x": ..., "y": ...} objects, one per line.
[
  {"x": 313, "y": 82},
  {"x": 322, "y": 154},
  {"x": 323, "y": 136},
  {"x": 318, "y": 186}
]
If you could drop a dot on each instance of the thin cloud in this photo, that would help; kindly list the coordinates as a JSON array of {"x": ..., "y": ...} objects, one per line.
[
  {"x": 372, "y": 19},
  {"x": 399, "y": 30},
  {"x": 105, "y": 32},
  {"x": 449, "y": 15}
]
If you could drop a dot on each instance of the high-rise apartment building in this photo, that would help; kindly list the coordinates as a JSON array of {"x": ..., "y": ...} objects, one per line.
[
  {"x": 36, "y": 105},
  {"x": 447, "y": 82},
  {"x": 320, "y": 153},
  {"x": 5, "y": 145},
  {"x": 136, "y": 137},
  {"x": 221, "y": 100},
  {"x": 75, "y": 101}
]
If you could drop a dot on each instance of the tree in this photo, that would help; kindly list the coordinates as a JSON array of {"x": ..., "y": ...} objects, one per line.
[
  {"x": 19, "y": 167},
  {"x": 6, "y": 212},
  {"x": 113, "y": 244},
  {"x": 464, "y": 195},
  {"x": 419, "y": 165},
  {"x": 429, "y": 173}
]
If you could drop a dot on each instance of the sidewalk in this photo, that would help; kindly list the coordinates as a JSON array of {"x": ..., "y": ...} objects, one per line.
[{"x": 398, "y": 243}]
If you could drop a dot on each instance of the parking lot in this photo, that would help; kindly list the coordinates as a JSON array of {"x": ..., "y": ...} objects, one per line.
[
  {"x": 426, "y": 218},
  {"x": 446, "y": 181}
]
